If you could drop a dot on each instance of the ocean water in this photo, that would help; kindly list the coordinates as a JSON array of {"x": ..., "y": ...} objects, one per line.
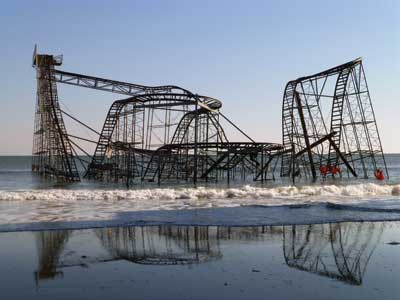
[{"x": 27, "y": 201}]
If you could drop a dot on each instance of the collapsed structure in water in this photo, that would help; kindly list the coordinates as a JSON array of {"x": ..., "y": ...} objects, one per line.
[
  {"x": 170, "y": 134},
  {"x": 329, "y": 124}
]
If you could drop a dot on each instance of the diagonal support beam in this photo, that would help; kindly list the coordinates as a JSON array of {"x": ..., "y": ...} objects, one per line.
[
  {"x": 305, "y": 133},
  {"x": 271, "y": 157},
  {"x": 343, "y": 158},
  {"x": 320, "y": 141}
]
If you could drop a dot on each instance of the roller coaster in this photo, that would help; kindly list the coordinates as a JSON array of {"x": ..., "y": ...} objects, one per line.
[
  {"x": 170, "y": 134},
  {"x": 163, "y": 133}
]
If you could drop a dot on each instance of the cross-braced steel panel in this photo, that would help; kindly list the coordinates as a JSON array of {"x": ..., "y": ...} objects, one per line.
[
  {"x": 328, "y": 122},
  {"x": 158, "y": 134},
  {"x": 173, "y": 137},
  {"x": 52, "y": 150}
]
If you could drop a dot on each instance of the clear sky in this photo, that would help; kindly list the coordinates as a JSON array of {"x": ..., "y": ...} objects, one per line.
[{"x": 242, "y": 52}]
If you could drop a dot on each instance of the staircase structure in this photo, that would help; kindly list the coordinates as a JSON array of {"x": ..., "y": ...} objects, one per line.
[{"x": 52, "y": 151}]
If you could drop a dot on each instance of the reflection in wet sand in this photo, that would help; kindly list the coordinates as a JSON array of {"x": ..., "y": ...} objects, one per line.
[
  {"x": 50, "y": 244},
  {"x": 152, "y": 245},
  {"x": 160, "y": 245},
  {"x": 341, "y": 251}
]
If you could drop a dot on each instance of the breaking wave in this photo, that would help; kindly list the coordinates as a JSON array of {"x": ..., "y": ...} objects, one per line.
[
  {"x": 246, "y": 205},
  {"x": 328, "y": 192}
]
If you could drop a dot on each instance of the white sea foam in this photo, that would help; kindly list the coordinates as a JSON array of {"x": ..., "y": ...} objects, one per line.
[
  {"x": 79, "y": 205},
  {"x": 244, "y": 192}
]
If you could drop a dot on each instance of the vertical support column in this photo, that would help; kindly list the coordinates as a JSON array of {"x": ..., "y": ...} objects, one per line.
[
  {"x": 196, "y": 125},
  {"x": 305, "y": 133},
  {"x": 293, "y": 164},
  {"x": 52, "y": 148},
  {"x": 262, "y": 166},
  {"x": 160, "y": 159},
  {"x": 208, "y": 149}
]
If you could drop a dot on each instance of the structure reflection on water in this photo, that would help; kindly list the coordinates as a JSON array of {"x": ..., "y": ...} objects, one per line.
[
  {"x": 340, "y": 251},
  {"x": 50, "y": 245},
  {"x": 160, "y": 245}
]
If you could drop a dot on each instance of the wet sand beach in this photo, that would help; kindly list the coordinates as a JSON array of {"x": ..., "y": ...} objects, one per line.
[{"x": 353, "y": 260}]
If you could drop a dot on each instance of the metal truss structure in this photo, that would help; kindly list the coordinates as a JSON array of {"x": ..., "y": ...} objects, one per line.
[
  {"x": 172, "y": 137},
  {"x": 169, "y": 134},
  {"x": 52, "y": 150},
  {"x": 158, "y": 134},
  {"x": 328, "y": 122}
]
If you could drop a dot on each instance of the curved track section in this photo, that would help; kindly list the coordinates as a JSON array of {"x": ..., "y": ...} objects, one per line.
[
  {"x": 328, "y": 122},
  {"x": 148, "y": 105},
  {"x": 164, "y": 132}
]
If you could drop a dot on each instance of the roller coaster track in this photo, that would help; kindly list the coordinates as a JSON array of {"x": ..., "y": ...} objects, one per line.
[
  {"x": 287, "y": 127},
  {"x": 147, "y": 100},
  {"x": 337, "y": 113},
  {"x": 356, "y": 144},
  {"x": 187, "y": 120},
  {"x": 51, "y": 140}
]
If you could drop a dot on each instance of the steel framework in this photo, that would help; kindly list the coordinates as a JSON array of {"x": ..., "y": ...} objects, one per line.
[
  {"x": 172, "y": 137},
  {"x": 328, "y": 121},
  {"x": 162, "y": 133},
  {"x": 169, "y": 134},
  {"x": 52, "y": 150}
]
